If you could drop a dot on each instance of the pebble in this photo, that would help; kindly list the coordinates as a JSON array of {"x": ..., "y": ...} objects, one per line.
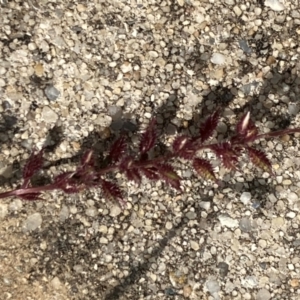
[
  {"x": 187, "y": 290},
  {"x": 48, "y": 115},
  {"x": 293, "y": 109},
  {"x": 249, "y": 282},
  {"x": 223, "y": 269},
  {"x": 126, "y": 67},
  {"x": 15, "y": 205},
  {"x": 278, "y": 222},
  {"x": 191, "y": 215},
  {"x": 56, "y": 284},
  {"x": 245, "y": 225},
  {"x": 205, "y": 205},
  {"x": 64, "y": 213},
  {"x": 169, "y": 225},
  {"x": 115, "y": 210},
  {"x": 275, "y": 5},
  {"x": 292, "y": 197},
  {"x": 212, "y": 286},
  {"x": 52, "y": 93},
  {"x": 291, "y": 215},
  {"x": 227, "y": 221},
  {"x": 3, "y": 210},
  {"x": 218, "y": 59},
  {"x": 245, "y": 198},
  {"x": 32, "y": 222},
  {"x": 244, "y": 46},
  {"x": 263, "y": 294},
  {"x": 194, "y": 245}
]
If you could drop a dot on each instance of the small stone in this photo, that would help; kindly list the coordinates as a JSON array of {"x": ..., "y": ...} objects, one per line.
[
  {"x": 14, "y": 205},
  {"x": 6, "y": 171},
  {"x": 291, "y": 215},
  {"x": 153, "y": 54},
  {"x": 292, "y": 197},
  {"x": 245, "y": 225},
  {"x": 39, "y": 70},
  {"x": 262, "y": 243},
  {"x": 32, "y": 222},
  {"x": 249, "y": 282},
  {"x": 3, "y": 210},
  {"x": 78, "y": 268},
  {"x": 103, "y": 240},
  {"x": 115, "y": 211},
  {"x": 48, "y": 115},
  {"x": 294, "y": 282},
  {"x": 223, "y": 269},
  {"x": 52, "y": 93},
  {"x": 205, "y": 205},
  {"x": 169, "y": 225},
  {"x": 278, "y": 222},
  {"x": 64, "y": 213},
  {"x": 218, "y": 59},
  {"x": 91, "y": 212},
  {"x": 227, "y": 221},
  {"x": 148, "y": 115},
  {"x": 194, "y": 245},
  {"x": 103, "y": 229},
  {"x": 126, "y": 67},
  {"x": 212, "y": 286},
  {"x": 293, "y": 109},
  {"x": 263, "y": 294},
  {"x": 237, "y": 10},
  {"x": 275, "y": 5},
  {"x": 56, "y": 284},
  {"x": 187, "y": 290},
  {"x": 115, "y": 112},
  {"x": 108, "y": 258},
  {"x": 2, "y": 82},
  {"x": 191, "y": 215},
  {"x": 81, "y": 8},
  {"x": 287, "y": 182},
  {"x": 245, "y": 198},
  {"x": 244, "y": 46}
]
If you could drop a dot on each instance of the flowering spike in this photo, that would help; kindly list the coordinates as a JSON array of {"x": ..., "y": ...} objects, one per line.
[
  {"x": 208, "y": 127},
  {"x": 68, "y": 183},
  {"x": 134, "y": 175},
  {"x": 168, "y": 174},
  {"x": 204, "y": 169},
  {"x": 150, "y": 173},
  {"x": 88, "y": 158},
  {"x": 246, "y": 129},
  {"x": 228, "y": 154},
  {"x": 33, "y": 165},
  {"x": 128, "y": 167},
  {"x": 259, "y": 159},
  {"x": 183, "y": 147},
  {"x": 148, "y": 138},
  {"x": 242, "y": 125},
  {"x": 117, "y": 149},
  {"x": 112, "y": 192}
]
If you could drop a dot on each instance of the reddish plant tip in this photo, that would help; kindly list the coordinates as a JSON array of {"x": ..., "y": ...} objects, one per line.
[
  {"x": 33, "y": 165},
  {"x": 209, "y": 126},
  {"x": 117, "y": 149},
  {"x": 148, "y": 139}
]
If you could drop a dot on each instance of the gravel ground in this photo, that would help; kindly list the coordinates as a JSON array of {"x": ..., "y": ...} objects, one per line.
[{"x": 74, "y": 73}]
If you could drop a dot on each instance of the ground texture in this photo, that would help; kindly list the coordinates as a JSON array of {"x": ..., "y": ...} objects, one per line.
[{"x": 73, "y": 74}]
